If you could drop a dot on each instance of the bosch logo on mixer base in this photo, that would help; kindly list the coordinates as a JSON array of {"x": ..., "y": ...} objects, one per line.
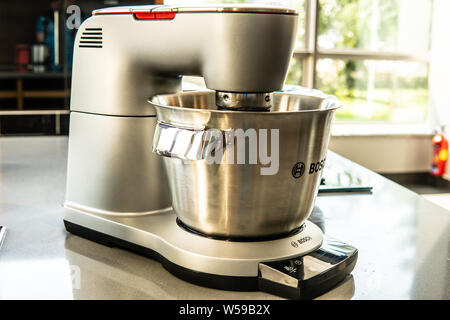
[{"x": 300, "y": 241}]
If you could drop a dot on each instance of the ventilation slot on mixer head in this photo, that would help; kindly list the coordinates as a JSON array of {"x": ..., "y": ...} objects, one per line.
[{"x": 91, "y": 38}]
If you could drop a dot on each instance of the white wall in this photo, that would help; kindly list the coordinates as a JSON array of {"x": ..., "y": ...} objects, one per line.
[
  {"x": 440, "y": 64},
  {"x": 386, "y": 153},
  {"x": 440, "y": 68},
  {"x": 410, "y": 153}
]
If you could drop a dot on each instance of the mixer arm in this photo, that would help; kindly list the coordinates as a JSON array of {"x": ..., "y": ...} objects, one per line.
[{"x": 121, "y": 59}]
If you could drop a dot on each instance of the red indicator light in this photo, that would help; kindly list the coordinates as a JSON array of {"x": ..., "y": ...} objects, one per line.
[
  {"x": 156, "y": 15},
  {"x": 145, "y": 16},
  {"x": 165, "y": 15}
]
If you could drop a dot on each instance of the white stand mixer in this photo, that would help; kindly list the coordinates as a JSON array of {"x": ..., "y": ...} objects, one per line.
[{"x": 117, "y": 191}]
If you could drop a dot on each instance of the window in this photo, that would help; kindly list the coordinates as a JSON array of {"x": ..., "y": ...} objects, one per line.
[{"x": 371, "y": 54}]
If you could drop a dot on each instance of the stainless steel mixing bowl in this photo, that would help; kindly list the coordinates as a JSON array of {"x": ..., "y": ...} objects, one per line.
[{"x": 237, "y": 200}]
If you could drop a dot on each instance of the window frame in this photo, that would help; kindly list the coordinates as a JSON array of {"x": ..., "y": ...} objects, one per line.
[{"x": 310, "y": 53}]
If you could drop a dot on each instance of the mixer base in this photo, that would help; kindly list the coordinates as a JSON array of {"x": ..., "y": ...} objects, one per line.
[
  {"x": 297, "y": 267},
  {"x": 204, "y": 279}
]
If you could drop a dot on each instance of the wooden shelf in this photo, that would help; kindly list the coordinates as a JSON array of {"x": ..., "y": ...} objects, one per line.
[
  {"x": 42, "y": 94},
  {"x": 8, "y": 94},
  {"x": 32, "y": 112},
  {"x": 21, "y": 94}
]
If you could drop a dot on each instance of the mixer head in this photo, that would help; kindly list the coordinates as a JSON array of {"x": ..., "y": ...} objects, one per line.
[{"x": 241, "y": 51}]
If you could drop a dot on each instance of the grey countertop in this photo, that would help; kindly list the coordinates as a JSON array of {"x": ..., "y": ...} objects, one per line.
[{"x": 403, "y": 239}]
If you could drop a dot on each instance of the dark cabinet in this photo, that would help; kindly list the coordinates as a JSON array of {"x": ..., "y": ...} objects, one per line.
[{"x": 35, "y": 96}]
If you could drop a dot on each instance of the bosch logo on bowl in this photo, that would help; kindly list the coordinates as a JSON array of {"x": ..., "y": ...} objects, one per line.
[
  {"x": 299, "y": 168},
  {"x": 316, "y": 166}
]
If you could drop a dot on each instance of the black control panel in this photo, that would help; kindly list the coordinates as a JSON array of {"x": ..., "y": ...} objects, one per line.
[{"x": 308, "y": 276}]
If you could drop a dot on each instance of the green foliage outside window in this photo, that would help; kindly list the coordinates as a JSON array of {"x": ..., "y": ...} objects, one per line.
[
  {"x": 373, "y": 90},
  {"x": 370, "y": 90}
]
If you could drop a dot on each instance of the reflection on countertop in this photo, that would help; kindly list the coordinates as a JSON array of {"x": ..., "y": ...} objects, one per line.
[{"x": 403, "y": 239}]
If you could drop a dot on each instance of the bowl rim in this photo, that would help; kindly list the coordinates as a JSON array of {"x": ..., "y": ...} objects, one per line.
[{"x": 333, "y": 103}]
